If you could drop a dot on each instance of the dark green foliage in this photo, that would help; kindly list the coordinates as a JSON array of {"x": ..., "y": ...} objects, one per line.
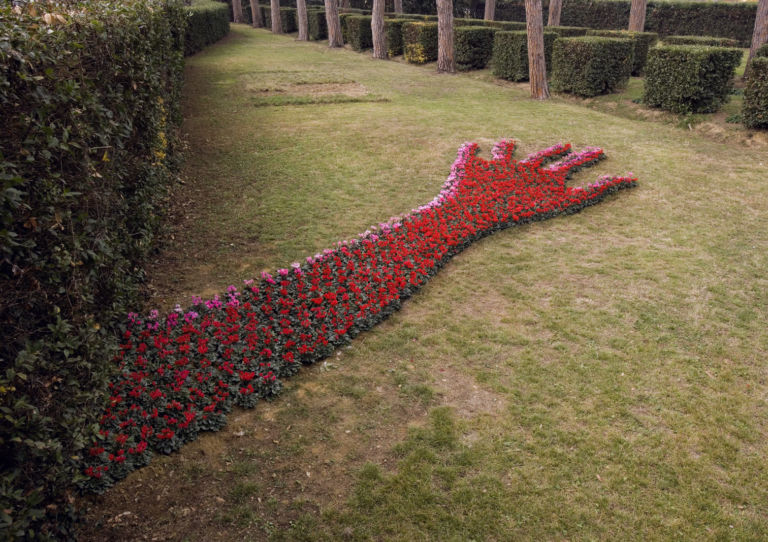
[
  {"x": 510, "y": 54},
  {"x": 473, "y": 47},
  {"x": 420, "y": 42},
  {"x": 689, "y": 79},
  {"x": 755, "y": 111},
  {"x": 706, "y": 41},
  {"x": 568, "y": 31},
  {"x": 726, "y": 19},
  {"x": 762, "y": 51},
  {"x": 343, "y": 22},
  {"x": 289, "y": 20},
  {"x": 642, "y": 41},
  {"x": 507, "y": 25},
  {"x": 591, "y": 65},
  {"x": 318, "y": 25},
  {"x": 393, "y": 29},
  {"x": 359, "y": 32},
  {"x": 208, "y": 22},
  {"x": 87, "y": 151}
]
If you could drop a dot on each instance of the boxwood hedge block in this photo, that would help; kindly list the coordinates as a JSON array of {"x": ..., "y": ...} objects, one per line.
[
  {"x": 343, "y": 22},
  {"x": 507, "y": 25},
  {"x": 393, "y": 31},
  {"x": 289, "y": 20},
  {"x": 591, "y": 65},
  {"x": 510, "y": 54},
  {"x": 318, "y": 25},
  {"x": 568, "y": 31},
  {"x": 643, "y": 42},
  {"x": 708, "y": 41},
  {"x": 207, "y": 23},
  {"x": 359, "y": 32},
  {"x": 473, "y": 46},
  {"x": 689, "y": 79},
  {"x": 762, "y": 51},
  {"x": 420, "y": 42},
  {"x": 755, "y": 109}
]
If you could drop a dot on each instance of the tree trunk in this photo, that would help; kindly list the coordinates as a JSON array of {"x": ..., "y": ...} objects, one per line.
[
  {"x": 760, "y": 35},
  {"x": 237, "y": 11},
  {"x": 274, "y": 12},
  {"x": 301, "y": 15},
  {"x": 490, "y": 10},
  {"x": 637, "y": 16},
  {"x": 256, "y": 20},
  {"x": 334, "y": 25},
  {"x": 537, "y": 68},
  {"x": 377, "y": 29},
  {"x": 398, "y": 6},
  {"x": 446, "y": 63},
  {"x": 555, "y": 8}
]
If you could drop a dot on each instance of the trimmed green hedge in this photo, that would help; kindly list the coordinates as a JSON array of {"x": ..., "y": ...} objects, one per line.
[
  {"x": 87, "y": 152},
  {"x": 643, "y": 42},
  {"x": 510, "y": 54},
  {"x": 359, "y": 32},
  {"x": 723, "y": 19},
  {"x": 755, "y": 110},
  {"x": 393, "y": 29},
  {"x": 288, "y": 18},
  {"x": 591, "y": 65},
  {"x": 343, "y": 22},
  {"x": 208, "y": 22},
  {"x": 473, "y": 46},
  {"x": 689, "y": 79},
  {"x": 762, "y": 51},
  {"x": 318, "y": 25},
  {"x": 420, "y": 42},
  {"x": 705, "y": 41},
  {"x": 507, "y": 25},
  {"x": 568, "y": 31}
]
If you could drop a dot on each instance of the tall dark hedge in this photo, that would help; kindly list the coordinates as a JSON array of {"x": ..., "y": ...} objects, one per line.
[
  {"x": 208, "y": 22},
  {"x": 393, "y": 30},
  {"x": 690, "y": 79},
  {"x": 642, "y": 41},
  {"x": 359, "y": 32},
  {"x": 89, "y": 108},
  {"x": 510, "y": 54},
  {"x": 318, "y": 25},
  {"x": 473, "y": 46},
  {"x": 420, "y": 42},
  {"x": 722, "y": 19},
  {"x": 591, "y": 65},
  {"x": 755, "y": 109}
]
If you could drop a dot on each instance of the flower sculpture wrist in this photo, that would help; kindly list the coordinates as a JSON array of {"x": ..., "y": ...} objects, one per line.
[{"x": 181, "y": 374}]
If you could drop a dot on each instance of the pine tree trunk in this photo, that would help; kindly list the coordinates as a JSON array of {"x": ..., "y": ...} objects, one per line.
[
  {"x": 274, "y": 11},
  {"x": 536, "y": 63},
  {"x": 637, "y": 16},
  {"x": 237, "y": 11},
  {"x": 398, "y": 6},
  {"x": 490, "y": 10},
  {"x": 334, "y": 25},
  {"x": 301, "y": 15},
  {"x": 446, "y": 63},
  {"x": 555, "y": 8},
  {"x": 760, "y": 35},
  {"x": 256, "y": 20},
  {"x": 377, "y": 29}
]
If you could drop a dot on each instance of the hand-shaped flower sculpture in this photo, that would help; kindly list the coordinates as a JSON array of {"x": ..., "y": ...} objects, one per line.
[{"x": 182, "y": 374}]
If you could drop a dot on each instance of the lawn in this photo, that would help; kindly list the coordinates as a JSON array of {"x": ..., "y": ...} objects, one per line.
[{"x": 599, "y": 376}]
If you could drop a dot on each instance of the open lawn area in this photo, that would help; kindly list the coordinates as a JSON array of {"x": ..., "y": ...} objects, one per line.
[{"x": 600, "y": 376}]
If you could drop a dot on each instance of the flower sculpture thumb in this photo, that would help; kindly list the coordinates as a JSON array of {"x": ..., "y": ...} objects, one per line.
[{"x": 181, "y": 374}]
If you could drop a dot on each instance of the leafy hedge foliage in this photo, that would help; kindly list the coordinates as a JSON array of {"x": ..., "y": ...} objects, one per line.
[
  {"x": 393, "y": 30},
  {"x": 288, "y": 18},
  {"x": 420, "y": 42},
  {"x": 726, "y": 19},
  {"x": 706, "y": 41},
  {"x": 473, "y": 46},
  {"x": 89, "y": 102},
  {"x": 343, "y": 22},
  {"x": 755, "y": 109},
  {"x": 689, "y": 79},
  {"x": 507, "y": 25},
  {"x": 208, "y": 22},
  {"x": 568, "y": 31},
  {"x": 591, "y": 65},
  {"x": 510, "y": 54},
  {"x": 642, "y": 42},
  {"x": 359, "y": 32},
  {"x": 762, "y": 51},
  {"x": 318, "y": 25}
]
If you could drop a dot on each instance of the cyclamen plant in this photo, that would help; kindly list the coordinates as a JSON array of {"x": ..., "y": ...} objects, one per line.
[{"x": 182, "y": 374}]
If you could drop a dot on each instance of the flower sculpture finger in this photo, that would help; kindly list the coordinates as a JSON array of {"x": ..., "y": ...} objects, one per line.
[{"x": 181, "y": 374}]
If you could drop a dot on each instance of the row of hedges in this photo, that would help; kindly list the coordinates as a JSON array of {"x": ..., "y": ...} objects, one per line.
[
  {"x": 89, "y": 100},
  {"x": 722, "y": 19}
]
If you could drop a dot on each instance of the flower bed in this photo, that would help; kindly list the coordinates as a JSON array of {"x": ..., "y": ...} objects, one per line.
[{"x": 181, "y": 374}]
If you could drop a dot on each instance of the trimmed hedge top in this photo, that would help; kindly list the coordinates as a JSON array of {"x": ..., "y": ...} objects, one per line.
[
  {"x": 708, "y": 41},
  {"x": 642, "y": 40},
  {"x": 591, "y": 65}
]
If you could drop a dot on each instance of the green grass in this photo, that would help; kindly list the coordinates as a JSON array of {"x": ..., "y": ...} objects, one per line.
[{"x": 594, "y": 377}]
